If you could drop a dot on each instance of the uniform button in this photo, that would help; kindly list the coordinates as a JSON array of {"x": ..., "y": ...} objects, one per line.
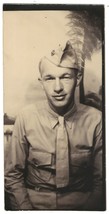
[{"x": 37, "y": 189}]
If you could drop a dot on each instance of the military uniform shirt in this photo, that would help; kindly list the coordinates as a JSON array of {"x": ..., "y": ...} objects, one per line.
[{"x": 32, "y": 160}]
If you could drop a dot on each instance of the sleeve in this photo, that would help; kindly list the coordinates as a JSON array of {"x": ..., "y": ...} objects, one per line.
[
  {"x": 15, "y": 168},
  {"x": 95, "y": 199}
]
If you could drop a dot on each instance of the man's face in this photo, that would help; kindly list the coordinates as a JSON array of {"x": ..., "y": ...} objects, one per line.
[{"x": 59, "y": 85}]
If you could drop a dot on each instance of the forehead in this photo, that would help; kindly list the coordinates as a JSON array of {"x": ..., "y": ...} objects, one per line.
[{"x": 48, "y": 68}]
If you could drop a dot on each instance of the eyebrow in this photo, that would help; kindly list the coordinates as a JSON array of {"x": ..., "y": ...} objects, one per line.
[{"x": 50, "y": 75}]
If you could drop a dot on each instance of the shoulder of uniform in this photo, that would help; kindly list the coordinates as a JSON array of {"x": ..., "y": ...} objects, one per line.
[
  {"x": 90, "y": 111},
  {"x": 28, "y": 110}
]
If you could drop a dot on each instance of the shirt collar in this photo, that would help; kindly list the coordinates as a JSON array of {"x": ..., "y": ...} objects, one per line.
[{"x": 53, "y": 116}]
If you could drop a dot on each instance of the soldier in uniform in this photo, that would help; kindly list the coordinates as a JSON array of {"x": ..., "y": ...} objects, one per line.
[{"x": 55, "y": 158}]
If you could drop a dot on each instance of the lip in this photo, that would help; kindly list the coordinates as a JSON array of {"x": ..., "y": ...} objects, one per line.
[{"x": 59, "y": 97}]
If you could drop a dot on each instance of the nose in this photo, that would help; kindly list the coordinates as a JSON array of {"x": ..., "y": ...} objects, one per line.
[{"x": 58, "y": 87}]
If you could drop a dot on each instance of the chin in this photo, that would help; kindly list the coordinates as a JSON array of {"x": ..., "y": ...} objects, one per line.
[{"x": 60, "y": 105}]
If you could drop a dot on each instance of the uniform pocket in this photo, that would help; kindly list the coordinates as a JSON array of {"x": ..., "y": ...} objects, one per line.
[
  {"x": 41, "y": 158},
  {"x": 41, "y": 162},
  {"x": 80, "y": 161}
]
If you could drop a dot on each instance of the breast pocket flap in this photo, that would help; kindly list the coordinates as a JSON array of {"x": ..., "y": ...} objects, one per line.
[{"x": 42, "y": 158}]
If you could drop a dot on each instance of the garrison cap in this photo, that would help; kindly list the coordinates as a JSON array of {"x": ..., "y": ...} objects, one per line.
[{"x": 63, "y": 57}]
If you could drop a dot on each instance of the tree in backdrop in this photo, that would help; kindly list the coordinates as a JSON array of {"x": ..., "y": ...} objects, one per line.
[{"x": 86, "y": 32}]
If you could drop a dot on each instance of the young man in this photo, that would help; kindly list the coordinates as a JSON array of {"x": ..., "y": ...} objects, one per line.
[{"x": 55, "y": 159}]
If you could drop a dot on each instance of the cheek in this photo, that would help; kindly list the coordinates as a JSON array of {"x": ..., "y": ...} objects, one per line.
[
  {"x": 70, "y": 86},
  {"x": 47, "y": 88}
]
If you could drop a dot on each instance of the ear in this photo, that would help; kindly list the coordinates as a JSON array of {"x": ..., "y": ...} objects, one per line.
[
  {"x": 40, "y": 80},
  {"x": 79, "y": 78}
]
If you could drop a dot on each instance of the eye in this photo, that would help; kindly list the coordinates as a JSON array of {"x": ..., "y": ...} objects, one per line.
[
  {"x": 48, "y": 78},
  {"x": 66, "y": 77}
]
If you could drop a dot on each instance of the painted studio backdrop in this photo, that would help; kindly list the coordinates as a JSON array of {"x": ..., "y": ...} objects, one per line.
[{"x": 29, "y": 35}]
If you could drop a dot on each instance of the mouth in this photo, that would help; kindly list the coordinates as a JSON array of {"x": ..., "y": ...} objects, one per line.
[{"x": 59, "y": 97}]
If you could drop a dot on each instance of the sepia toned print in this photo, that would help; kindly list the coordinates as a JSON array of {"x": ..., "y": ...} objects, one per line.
[{"x": 54, "y": 107}]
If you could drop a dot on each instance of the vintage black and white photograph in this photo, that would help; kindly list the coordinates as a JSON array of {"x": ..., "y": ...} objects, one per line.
[{"x": 54, "y": 107}]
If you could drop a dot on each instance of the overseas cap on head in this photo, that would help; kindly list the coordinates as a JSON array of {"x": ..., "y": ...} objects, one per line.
[{"x": 63, "y": 57}]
